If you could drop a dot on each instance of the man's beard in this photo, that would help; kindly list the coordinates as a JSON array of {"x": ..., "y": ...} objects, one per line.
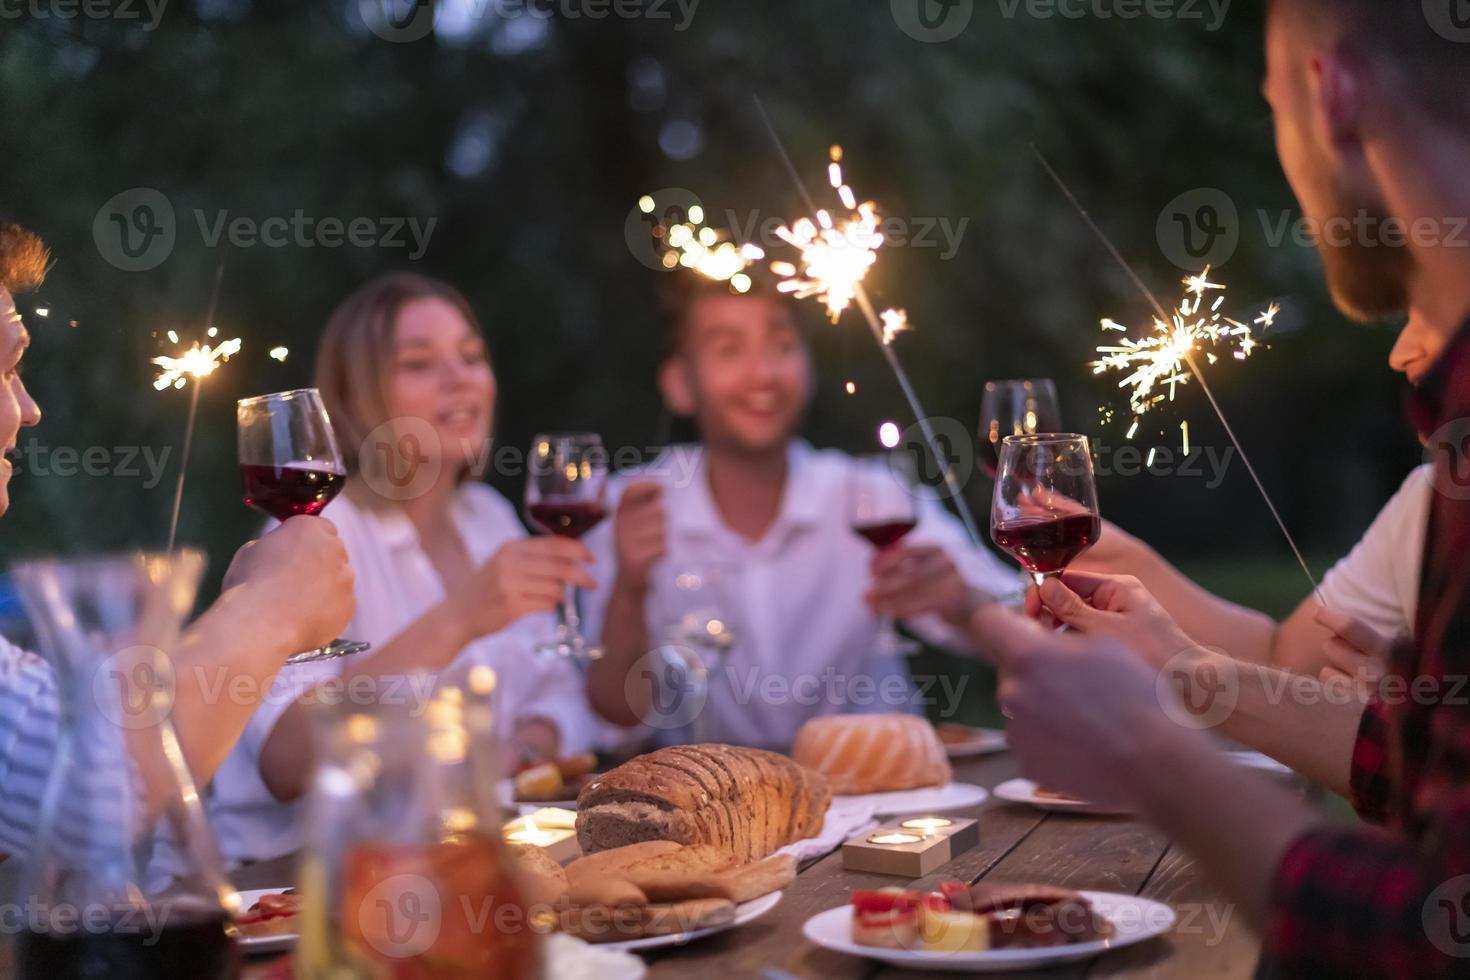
[{"x": 1368, "y": 279}]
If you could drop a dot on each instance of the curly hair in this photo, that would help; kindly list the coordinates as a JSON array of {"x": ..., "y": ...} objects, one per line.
[{"x": 23, "y": 258}]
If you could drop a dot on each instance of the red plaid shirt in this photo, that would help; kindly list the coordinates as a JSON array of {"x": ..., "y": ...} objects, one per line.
[{"x": 1393, "y": 901}]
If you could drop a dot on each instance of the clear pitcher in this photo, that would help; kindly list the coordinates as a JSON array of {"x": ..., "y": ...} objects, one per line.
[
  {"x": 404, "y": 874},
  {"x": 118, "y": 785}
]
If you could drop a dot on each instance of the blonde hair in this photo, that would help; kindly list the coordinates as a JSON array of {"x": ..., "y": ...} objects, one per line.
[
  {"x": 356, "y": 353},
  {"x": 23, "y": 259}
]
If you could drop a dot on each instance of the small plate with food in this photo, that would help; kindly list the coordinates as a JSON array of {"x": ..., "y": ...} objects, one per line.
[
  {"x": 986, "y": 928},
  {"x": 554, "y": 784},
  {"x": 964, "y": 742},
  {"x": 925, "y": 799},
  {"x": 267, "y": 921},
  {"x": 1026, "y": 791},
  {"x": 720, "y": 921}
]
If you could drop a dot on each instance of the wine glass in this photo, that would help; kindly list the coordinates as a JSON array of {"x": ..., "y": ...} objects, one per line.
[
  {"x": 566, "y": 495},
  {"x": 289, "y": 466},
  {"x": 882, "y": 495},
  {"x": 1044, "y": 512},
  {"x": 1015, "y": 408}
]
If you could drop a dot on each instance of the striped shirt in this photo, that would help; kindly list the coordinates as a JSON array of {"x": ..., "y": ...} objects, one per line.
[{"x": 29, "y": 726}]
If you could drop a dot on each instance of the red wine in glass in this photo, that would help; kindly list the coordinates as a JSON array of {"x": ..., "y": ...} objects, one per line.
[
  {"x": 566, "y": 518},
  {"x": 1045, "y": 545},
  {"x": 885, "y": 534},
  {"x": 289, "y": 491},
  {"x": 187, "y": 945}
]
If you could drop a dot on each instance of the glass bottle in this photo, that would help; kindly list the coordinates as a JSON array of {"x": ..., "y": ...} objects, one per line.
[
  {"x": 119, "y": 786},
  {"x": 404, "y": 873}
]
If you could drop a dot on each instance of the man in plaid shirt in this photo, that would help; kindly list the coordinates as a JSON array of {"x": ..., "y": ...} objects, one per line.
[{"x": 1372, "y": 107}]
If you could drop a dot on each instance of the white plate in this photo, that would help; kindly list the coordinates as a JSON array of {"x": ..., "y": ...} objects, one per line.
[
  {"x": 1256, "y": 760},
  {"x": 505, "y": 794},
  {"x": 1024, "y": 791},
  {"x": 930, "y": 799},
  {"x": 263, "y": 944},
  {"x": 983, "y": 741},
  {"x": 745, "y": 912},
  {"x": 1134, "y": 920}
]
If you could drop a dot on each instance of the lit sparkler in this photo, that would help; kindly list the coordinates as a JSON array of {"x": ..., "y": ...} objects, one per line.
[
  {"x": 198, "y": 362},
  {"x": 1157, "y": 365},
  {"x": 693, "y": 245}
]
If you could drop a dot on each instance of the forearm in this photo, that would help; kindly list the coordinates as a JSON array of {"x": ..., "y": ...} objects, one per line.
[
  {"x": 1290, "y": 717},
  {"x": 223, "y": 666},
  {"x": 624, "y": 640},
  {"x": 1243, "y": 633},
  {"x": 1237, "y": 823},
  {"x": 427, "y": 645}
]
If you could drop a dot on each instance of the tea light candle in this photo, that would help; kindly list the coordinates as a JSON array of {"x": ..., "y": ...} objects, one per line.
[
  {"x": 927, "y": 823},
  {"x": 912, "y": 849},
  {"x": 560, "y": 843}
]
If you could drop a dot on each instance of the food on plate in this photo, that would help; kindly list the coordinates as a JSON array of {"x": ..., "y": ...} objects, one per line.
[
  {"x": 873, "y": 753},
  {"x": 657, "y": 888},
  {"x": 562, "y": 779},
  {"x": 1051, "y": 794},
  {"x": 956, "y": 734},
  {"x": 746, "y": 803},
  {"x": 958, "y": 919},
  {"x": 273, "y": 915},
  {"x": 543, "y": 881}
]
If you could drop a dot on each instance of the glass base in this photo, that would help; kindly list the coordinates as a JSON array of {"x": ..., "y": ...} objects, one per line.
[
  {"x": 572, "y": 647},
  {"x": 332, "y": 651}
]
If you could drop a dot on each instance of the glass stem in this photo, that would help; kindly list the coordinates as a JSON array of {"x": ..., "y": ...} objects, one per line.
[{"x": 571, "y": 623}]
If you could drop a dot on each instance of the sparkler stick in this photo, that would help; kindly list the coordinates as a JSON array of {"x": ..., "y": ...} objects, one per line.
[
  {"x": 883, "y": 329},
  {"x": 197, "y": 363},
  {"x": 1188, "y": 360}
]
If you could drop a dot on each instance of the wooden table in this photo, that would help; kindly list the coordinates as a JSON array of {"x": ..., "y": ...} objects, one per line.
[{"x": 1017, "y": 843}]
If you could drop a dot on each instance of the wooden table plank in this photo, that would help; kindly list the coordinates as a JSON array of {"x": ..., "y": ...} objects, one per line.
[{"x": 1210, "y": 941}]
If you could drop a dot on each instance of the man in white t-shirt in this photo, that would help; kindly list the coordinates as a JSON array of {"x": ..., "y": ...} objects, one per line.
[
  {"x": 1367, "y": 600},
  {"x": 806, "y": 591},
  {"x": 289, "y": 591}
]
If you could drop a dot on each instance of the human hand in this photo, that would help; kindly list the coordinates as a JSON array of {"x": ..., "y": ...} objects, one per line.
[
  {"x": 1115, "y": 552},
  {"x": 1116, "y": 606},
  {"x": 1084, "y": 711},
  {"x": 639, "y": 533},
  {"x": 297, "y": 574},
  {"x": 1355, "y": 651},
  {"x": 529, "y": 575},
  {"x": 912, "y": 580}
]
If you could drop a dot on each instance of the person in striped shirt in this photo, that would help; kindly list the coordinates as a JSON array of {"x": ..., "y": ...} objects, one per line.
[{"x": 290, "y": 590}]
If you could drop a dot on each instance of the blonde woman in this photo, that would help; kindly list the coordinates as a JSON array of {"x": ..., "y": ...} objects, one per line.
[{"x": 445, "y": 573}]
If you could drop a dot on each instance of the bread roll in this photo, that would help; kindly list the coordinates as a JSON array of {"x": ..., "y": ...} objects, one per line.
[
  {"x": 747, "y": 802},
  {"x": 872, "y": 753}
]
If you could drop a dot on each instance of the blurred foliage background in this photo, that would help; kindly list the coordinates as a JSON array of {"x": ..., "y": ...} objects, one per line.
[{"x": 529, "y": 134}]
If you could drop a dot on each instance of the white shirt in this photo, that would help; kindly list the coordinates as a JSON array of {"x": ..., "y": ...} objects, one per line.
[
  {"x": 803, "y": 635},
  {"x": 395, "y": 584},
  {"x": 30, "y": 722},
  {"x": 1378, "y": 582}
]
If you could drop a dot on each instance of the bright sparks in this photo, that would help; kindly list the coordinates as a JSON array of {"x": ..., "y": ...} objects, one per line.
[
  {"x": 279, "y": 354},
  {"x": 895, "y": 322},
  {"x": 1153, "y": 368},
  {"x": 694, "y": 246},
  {"x": 199, "y": 361},
  {"x": 836, "y": 254}
]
